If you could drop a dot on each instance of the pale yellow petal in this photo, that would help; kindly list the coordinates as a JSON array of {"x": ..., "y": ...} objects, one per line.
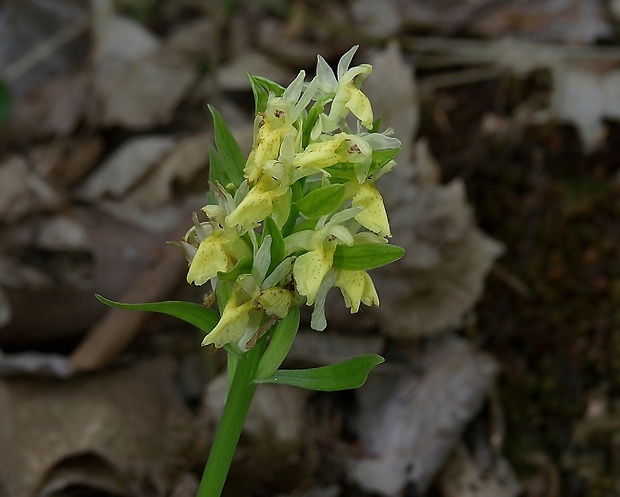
[
  {"x": 208, "y": 260},
  {"x": 275, "y": 301},
  {"x": 233, "y": 323},
  {"x": 373, "y": 217},
  {"x": 310, "y": 269},
  {"x": 356, "y": 287}
]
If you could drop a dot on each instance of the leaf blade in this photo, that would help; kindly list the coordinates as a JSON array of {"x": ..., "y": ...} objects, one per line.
[
  {"x": 365, "y": 256},
  {"x": 228, "y": 148},
  {"x": 198, "y": 315},
  {"x": 279, "y": 346},
  {"x": 344, "y": 375}
]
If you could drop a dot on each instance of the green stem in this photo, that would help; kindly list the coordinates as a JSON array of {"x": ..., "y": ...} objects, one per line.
[{"x": 240, "y": 396}]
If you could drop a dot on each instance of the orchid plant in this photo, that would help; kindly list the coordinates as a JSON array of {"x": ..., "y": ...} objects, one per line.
[{"x": 301, "y": 215}]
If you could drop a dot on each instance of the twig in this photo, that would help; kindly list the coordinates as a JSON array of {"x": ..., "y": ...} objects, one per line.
[
  {"x": 44, "y": 49},
  {"x": 119, "y": 328}
]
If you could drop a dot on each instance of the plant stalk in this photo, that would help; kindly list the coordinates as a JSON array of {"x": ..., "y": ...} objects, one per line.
[{"x": 240, "y": 394}]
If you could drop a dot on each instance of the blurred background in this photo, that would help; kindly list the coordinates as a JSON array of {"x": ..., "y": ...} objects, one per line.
[{"x": 500, "y": 326}]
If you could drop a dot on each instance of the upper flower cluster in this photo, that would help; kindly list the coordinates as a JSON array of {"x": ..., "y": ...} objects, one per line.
[{"x": 306, "y": 216}]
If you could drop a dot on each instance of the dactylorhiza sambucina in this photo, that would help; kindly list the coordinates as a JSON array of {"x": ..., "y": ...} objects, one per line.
[
  {"x": 306, "y": 215},
  {"x": 300, "y": 216}
]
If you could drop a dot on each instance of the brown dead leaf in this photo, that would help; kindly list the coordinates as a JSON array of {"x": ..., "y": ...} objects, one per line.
[
  {"x": 146, "y": 92},
  {"x": 567, "y": 21},
  {"x": 293, "y": 50},
  {"x": 62, "y": 233},
  {"x": 61, "y": 284},
  {"x": 125, "y": 167},
  {"x": 198, "y": 38},
  {"x": 462, "y": 477},
  {"x": 23, "y": 191},
  {"x": 189, "y": 156},
  {"x": 32, "y": 52},
  {"x": 375, "y": 19},
  {"x": 63, "y": 162},
  {"x": 126, "y": 430},
  {"x": 52, "y": 109},
  {"x": 119, "y": 42},
  {"x": 234, "y": 75},
  {"x": 408, "y": 424}
]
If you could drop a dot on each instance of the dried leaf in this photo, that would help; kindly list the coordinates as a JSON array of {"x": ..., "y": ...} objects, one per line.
[
  {"x": 62, "y": 233},
  {"x": 63, "y": 162},
  {"x": 147, "y": 92},
  {"x": 198, "y": 38},
  {"x": 189, "y": 157},
  {"x": 126, "y": 429},
  {"x": 119, "y": 42},
  {"x": 376, "y": 19},
  {"x": 22, "y": 191},
  {"x": 584, "y": 98},
  {"x": 53, "y": 109},
  {"x": 234, "y": 75},
  {"x": 26, "y": 60},
  {"x": 409, "y": 423},
  {"x": 126, "y": 167},
  {"x": 34, "y": 364},
  {"x": 568, "y": 21},
  {"x": 462, "y": 477}
]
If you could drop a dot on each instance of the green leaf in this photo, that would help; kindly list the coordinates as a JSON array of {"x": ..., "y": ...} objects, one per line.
[
  {"x": 217, "y": 169},
  {"x": 345, "y": 375},
  {"x": 277, "y": 243},
  {"x": 281, "y": 340},
  {"x": 198, "y": 315},
  {"x": 243, "y": 266},
  {"x": 223, "y": 291},
  {"x": 321, "y": 201},
  {"x": 232, "y": 158},
  {"x": 261, "y": 87},
  {"x": 381, "y": 157},
  {"x": 5, "y": 102},
  {"x": 346, "y": 170},
  {"x": 316, "y": 110},
  {"x": 365, "y": 256}
]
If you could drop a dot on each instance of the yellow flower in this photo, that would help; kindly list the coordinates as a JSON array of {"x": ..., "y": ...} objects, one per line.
[
  {"x": 270, "y": 128},
  {"x": 373, "y": 217},
  {"x": 319, "y": 155},
  {"x": 356, "y": 287},
  {"x": 342, "y": 147},
  {"x": 220, "y": 251},
  {"x": 266, "y": 197},
  {"x": 275, "y": 301},
  {"x": 310, "y": 268},
  {"x": 238, "y": 320},
  {"x": 347, "y": 94},
  {"x": 275, "y": 126},
  {"x": 350, "y": 97}
]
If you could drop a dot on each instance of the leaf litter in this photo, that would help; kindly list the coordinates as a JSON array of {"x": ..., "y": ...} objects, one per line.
[{"x": 102, "y": 160}]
